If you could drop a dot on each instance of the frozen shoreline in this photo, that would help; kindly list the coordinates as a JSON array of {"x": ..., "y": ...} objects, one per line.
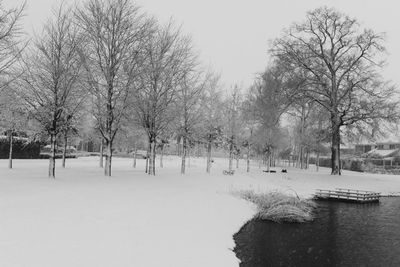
[{"x": 131, "y": 219}]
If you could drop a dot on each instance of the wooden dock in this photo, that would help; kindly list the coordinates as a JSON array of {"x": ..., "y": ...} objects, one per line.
[{"x": 358, "y": 196}]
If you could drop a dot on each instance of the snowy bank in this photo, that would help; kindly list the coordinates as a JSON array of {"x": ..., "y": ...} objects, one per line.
[{"x": 85, "y": 219}]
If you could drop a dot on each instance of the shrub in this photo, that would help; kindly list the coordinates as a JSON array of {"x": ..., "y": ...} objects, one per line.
[
  {"x": 280, "y": 207},
  {"x": 21, "y": 149},
  {"x": 351, "y": 164}
]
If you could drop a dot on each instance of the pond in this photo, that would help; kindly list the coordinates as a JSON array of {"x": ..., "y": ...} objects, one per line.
[{"x": 343, "y": 234}]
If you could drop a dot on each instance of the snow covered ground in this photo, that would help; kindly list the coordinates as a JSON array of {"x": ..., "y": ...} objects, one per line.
[{"x": 131, "y": 219}]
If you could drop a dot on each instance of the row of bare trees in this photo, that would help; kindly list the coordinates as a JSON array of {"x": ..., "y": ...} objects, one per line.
[
  {"x": 109, "y": 62},
  {"x": 107, "y": 58}
]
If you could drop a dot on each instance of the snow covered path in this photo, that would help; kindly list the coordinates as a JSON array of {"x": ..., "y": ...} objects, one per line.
[{"x": 131, "y": 219}]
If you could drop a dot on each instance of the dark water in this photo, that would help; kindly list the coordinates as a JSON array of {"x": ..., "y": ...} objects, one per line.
[{"x": 343, "y": 234}]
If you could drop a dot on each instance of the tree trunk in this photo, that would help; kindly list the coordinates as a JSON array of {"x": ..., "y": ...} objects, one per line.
[
  {"x": 148, "y": 157},
  {"x": 230, "y": 157},
  {"x": 230, "y": 161},
  {"x": 152, "y": 160},
  {"x": 302, "y": 131},
  {"x": 188, "y": 155},
  {"x": 52, "y": 159},
  {"x": 237, "y": 161},
  {"x": 134, "y": 156},
  {"x": 178, "y": 148},
  {"x": 10, "y": 157},
  {"x": 199, "y": 151},
  {"x": 64, "y": 156},
  {"x": 335, "y": 146},
  {"x": 272, "y": 158},
  {"x": 101, "y": 152},
  {"x": 248, "y": 158},
  {"x": 208, "y": 156},
  {"x": 107, "y": 169},
  {"x": 183, "y": 164},
  {"x": 318, "y": 141},
  {"x": 301, "y": 157},
  {"x": 161, "y": 156}
]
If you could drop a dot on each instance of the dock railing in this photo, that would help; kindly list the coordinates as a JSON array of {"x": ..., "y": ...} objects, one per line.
[{"x": 348, "y": 194}]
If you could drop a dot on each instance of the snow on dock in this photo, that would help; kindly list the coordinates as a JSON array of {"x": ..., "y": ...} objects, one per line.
[{"x": 351, "y": 195}]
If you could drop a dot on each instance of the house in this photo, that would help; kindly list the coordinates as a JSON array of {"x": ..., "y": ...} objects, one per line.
[
  {"x": 388, "y": 146},
  {"x": 383, "y": 150},
  {"x": 364, "y": 148}
]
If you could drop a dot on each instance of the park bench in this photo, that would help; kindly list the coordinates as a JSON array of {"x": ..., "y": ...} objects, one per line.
[
  {"x": 274, "y": 171},
  {"x": 271, "y": 171},
  {"x": 231, "y": 172}
]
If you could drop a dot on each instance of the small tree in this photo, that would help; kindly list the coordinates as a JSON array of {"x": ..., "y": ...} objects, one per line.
[
  {"x": 189, "y": 110},
  {"x": 114, "y": 34},
  {"x": 50, "y": 83},
  {"x": 11, "y": 44},
  {"x": 301, "y": 110},
  {"x": 212, "y": 124},
  {"x": 269, "y": 98},
  {"x": 232, "y": 123},
  {"x": 13, "y": 118},
  {"x": 168, "y": 57},
  {"x": 69, "y": 129},
  {"x": 249, "y": 117}
]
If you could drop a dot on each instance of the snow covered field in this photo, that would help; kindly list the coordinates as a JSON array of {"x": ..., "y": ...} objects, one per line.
[{"x": 131, "y": 219}]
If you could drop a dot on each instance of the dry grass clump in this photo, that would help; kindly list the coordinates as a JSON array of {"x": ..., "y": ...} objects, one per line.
[{"x": 280, "y": 207}]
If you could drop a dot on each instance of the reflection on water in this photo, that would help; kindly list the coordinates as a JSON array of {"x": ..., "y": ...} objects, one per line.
[{"x": 343, "y": 234}]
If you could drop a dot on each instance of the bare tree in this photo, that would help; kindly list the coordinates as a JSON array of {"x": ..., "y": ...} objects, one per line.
[
  {"x": 169, "y": 57},
  {"x": 270, "y": 96},
  {"x": 301, "y": 111},
  {"x": 338, "y": 63},
  {"x": 50, "y": 83},
  {"x": 189, "y": 107},
  {"x": 114, "y": 35},
  {"x": 232, "y": 123},
  {"x": 13, "y": 118},
  {"x": 11, "y": 43},
  {"x": 211, "y": 117},
  {"x": 250, "y": 120},
  {"x": 69, "y": 129}
]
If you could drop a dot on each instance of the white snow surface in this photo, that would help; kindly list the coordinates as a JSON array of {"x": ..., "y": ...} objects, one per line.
[{"x": 83, "y": 218}]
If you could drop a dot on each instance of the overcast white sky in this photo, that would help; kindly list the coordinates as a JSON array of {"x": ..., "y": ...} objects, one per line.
[{"x": 232, "y": 35}]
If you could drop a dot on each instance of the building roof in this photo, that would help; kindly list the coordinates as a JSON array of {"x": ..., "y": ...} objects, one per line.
[
  {"x": 382, "y": 153},
  {"x": 388, "y": 143}
]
